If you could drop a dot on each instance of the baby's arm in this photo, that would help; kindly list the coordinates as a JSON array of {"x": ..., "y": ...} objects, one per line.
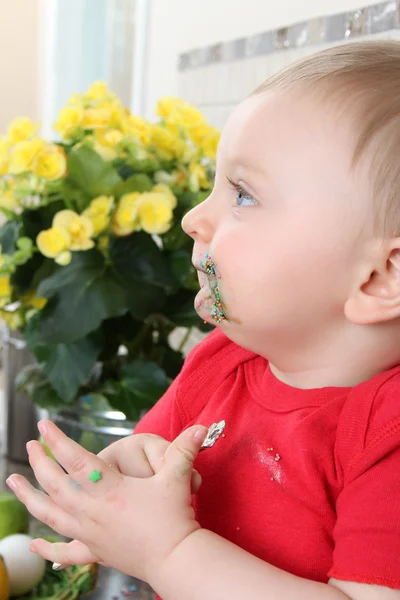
[
  {"x": 206, "y": 565},
  {"x": 146, "y": 527}
]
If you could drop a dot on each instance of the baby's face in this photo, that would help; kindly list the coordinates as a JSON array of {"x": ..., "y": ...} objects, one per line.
[{"x": 284, "y": 237}]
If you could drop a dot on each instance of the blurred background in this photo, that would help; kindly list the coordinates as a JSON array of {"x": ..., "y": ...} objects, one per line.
[
  {"x": 51, "y": 48},
  {"x": 210, "y": 53}
]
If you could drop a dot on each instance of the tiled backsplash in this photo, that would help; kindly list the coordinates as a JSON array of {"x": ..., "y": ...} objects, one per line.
[{"x": 217, "y": 81}]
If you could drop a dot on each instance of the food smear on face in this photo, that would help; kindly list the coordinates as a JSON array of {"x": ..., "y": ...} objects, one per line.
[{"x": 217, "y": 307}]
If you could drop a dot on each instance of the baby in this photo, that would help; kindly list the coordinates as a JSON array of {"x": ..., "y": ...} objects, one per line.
[{"x": 298, "y": 253}]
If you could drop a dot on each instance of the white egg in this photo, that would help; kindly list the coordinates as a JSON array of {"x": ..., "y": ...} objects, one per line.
[{"x": 24, "y": 568}]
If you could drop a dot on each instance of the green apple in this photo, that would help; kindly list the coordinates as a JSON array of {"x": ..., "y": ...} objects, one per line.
[{"x": 14, "y": 517}]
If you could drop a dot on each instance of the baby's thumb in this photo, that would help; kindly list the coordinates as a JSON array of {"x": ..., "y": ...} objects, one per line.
[{"x": 182, "y": 453}]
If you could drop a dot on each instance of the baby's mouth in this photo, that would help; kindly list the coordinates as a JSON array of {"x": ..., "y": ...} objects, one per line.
[{"x": 217, "y": 307}]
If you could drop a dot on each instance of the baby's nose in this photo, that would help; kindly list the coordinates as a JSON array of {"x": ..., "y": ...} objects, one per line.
[{"x": 198, "y": 225}]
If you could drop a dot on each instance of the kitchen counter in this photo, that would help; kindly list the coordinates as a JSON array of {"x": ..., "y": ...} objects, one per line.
[{"x": 110, "y": 584}]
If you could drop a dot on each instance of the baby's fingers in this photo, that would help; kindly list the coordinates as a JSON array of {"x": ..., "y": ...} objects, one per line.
[
  {"x": 155, "y": 450},
  {"x": 42, "y": 507},
  {"x": 64, "y": 554},
  {"x": 136, "y": 456},
  {"x": 195, "y": 482}
]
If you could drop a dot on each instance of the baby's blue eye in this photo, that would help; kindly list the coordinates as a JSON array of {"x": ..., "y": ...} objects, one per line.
[{"x": 243, "y": 198}]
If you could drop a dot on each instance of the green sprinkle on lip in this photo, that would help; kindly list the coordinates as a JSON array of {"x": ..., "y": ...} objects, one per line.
[{"x": 217, "y": 309}]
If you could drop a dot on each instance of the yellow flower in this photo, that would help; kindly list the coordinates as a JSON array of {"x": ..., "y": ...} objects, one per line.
[
  {"x": 98, "y": 213},
  {"x": 115, "y": 110},
  {"x": 167, "y": 145},
  {"x": 8, "y": 200},
  {"x": 53, "y": 242},
  {"x": 38, "y": 303},
  {"x": 24, "y": 154},
  {"x": 69, "y": 121},
  {"x": 75, "y": 99},
  {"x": 198, "y": 178},
  {"x": 109, "y": 137},
  {"x": 167, "y": 105},
  {"x": 64, "y": 258},
  {"x": 184, "y": 116},
  {"x": 32, "y": 300},
  {"x": 94, "y": 118},
  {"x": 51, "y": 163},
  {"x": 79, "y": 228},
  {"x": 4, "y": 155},
  {"x": 198, "y": 132},
  {"x": 5, "y": 287},
  {"x": 13, "y": 319},
  {"x": 155, "y": 212},
  {"x": 106, "y": 141},
  {"x": 210, "y": 144},
  {"x": 137, "y": 127},
  {"x": 164, "y": 189},
  {"x": 97, "y": 91},
  {"x": 106, "y": 153},
  {"x": 21, "y": 129},
  {"x": 125, "y": 219}
]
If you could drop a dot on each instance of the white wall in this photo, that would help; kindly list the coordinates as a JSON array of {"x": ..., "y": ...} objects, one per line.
[
  {"x": 180, "y": 25},
  {"x": 19, "y": 60}
]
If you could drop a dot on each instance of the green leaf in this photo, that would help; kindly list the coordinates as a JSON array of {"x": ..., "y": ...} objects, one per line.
[
  {"x": 170, "y": 360},
  {"x": 143, "y": 271},
  {"x": 26, "y": 377},
  {"x": 35, "y": 220},
  {"x": 83, "y": 294},
  {"x": 181, "y": 266},
  {"x": 24, "y": 244},
  {"x": 135, "y": 183},
  {"x": 142, "y": 384},
  {"x": 180, "y": 309},
  {"x": 187, "y": 199},
  {"x": 9, "y": 234},
  {"x": 143, "y": 298},
  {"x": 138, "y": 256},
  {"x": 9, "y": 214},
  {"x": 144, "y": 165},
  {"x": 200, "y": 197},
  {"x": 90, "y": 173},
  {"x": 146, "y": 380},
  {"x": 34, "y": 382},
  {"x": 120, "y": 398},
  {"x": 118, "y": 331},
  {"x": 176, "y": 239},
  {"x": 74, "y": 197},
  {"x": 23, "y": 278},
  {"x": 67, "y": 366}
]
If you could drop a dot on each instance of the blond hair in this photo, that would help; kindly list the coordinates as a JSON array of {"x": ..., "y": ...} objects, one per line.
[{"x": 364, "y": 78}]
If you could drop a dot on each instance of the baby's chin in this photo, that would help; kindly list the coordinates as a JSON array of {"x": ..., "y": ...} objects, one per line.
[
  {"x": 203, "y": 304},
  {"x": 211, "y": 310}
]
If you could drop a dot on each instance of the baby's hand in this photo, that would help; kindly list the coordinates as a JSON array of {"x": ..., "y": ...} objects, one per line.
[
  {"x": 130, "y": 523},
  {"x": 141, "y": 455}
]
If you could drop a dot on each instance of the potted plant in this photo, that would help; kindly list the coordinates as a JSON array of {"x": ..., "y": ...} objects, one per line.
[{"x": 95, "y": 271}]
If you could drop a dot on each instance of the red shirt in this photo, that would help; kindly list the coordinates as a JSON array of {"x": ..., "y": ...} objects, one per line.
[{"x": 307, "y": 480}]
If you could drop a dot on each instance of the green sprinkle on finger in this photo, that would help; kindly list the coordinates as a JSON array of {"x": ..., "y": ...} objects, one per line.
[{"x": 95, "y": 476}]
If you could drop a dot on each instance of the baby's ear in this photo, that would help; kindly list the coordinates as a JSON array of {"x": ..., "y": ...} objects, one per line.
[{"x": 377, "y": 298}]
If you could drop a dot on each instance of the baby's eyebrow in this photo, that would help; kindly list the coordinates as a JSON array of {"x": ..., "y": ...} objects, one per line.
[{"x": 249, "y": 173}]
